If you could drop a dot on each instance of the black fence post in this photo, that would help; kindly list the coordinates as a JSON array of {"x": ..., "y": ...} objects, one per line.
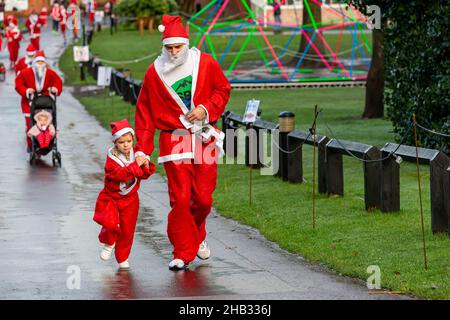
[
  {"x": 372, "y": 181},
  {"x": 390, "y": 183},
  {"x": 335, "y": 172},
  {"x": 322, "y": 164},
  {"x": 295, "y": 160}
]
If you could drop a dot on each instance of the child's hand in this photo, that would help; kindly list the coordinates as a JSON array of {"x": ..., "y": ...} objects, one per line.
[{"x": 141, "y": 160}]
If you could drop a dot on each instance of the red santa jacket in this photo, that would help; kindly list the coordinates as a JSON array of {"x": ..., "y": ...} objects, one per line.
[
  {"x": 159, "y": 107},
  {"x": 27, "y": 79},
  {"x": 121, "y": 180},
  {"x": 34, "y": 28},
  {"x": 55, "y": 13},
  {"x": 13, "y": 34},
  {"x": 22, "y": 64}
]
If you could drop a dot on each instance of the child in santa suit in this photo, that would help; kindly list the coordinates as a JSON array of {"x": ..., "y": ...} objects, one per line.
[
  {"x": 117, "y": 205},
  {"x": 43, "y": 130},
  {"x": 25, "y": 62},
  {"x": 43, "y": 16},
  {"x": 14, "y": 37}
]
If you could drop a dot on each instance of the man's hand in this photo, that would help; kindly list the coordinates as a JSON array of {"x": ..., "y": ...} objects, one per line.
[
  {"x": 142, "y": 161},
  {"x": 30, "y": 93},
  {"x": 197, "y": 114},
  {"x": 53, "y": 90}
]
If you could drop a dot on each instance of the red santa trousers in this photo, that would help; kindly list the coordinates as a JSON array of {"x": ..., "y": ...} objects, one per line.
[
  {"x": 13, "y": 48},
  {"x": 128, "y": 213},
  {"x": 36, "y": 42},
  {"x": 191, "y": 186}
]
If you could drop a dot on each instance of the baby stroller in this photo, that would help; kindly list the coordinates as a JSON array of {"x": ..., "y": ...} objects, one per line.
[{"x": 39, "y": 103}]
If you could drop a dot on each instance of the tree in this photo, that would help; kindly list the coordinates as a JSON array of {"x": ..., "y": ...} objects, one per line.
[
  {"x": 375, "y": 83},
  {"x": 186, "y": 6}
]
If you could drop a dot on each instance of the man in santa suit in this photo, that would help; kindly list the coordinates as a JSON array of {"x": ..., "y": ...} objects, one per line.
[
  {"x": 34, "y": 26},
  {"x": 184, "y": 93},
  {"x": 39, "y": 79},
  {"x": 25, "y": 62},
  {"x": 14, "y": 37}
]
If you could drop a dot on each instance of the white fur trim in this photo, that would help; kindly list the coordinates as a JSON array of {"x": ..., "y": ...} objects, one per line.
[
  {"x": 175, "y": 40},
  {"x": 141, "y": 154},
  {"x": 37, "y": 59},
  {"x": 177, "y": 156},
  {"x": 121, "y": 132},
  {"x": 161, "y": 28}
]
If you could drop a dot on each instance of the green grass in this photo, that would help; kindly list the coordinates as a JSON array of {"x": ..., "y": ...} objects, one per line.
[{"x": 346, "y": 238}]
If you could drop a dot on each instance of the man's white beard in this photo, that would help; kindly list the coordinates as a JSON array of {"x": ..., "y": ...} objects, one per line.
[
  {"x": 34, "y": 18},
  {"x": 40, "y": 70},
  {"x": 170, "y": 62}
]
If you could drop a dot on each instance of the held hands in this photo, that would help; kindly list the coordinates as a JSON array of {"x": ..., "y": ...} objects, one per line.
[
  {"x": 140, "y": 160},
  {"x": 30, "y": 93},
  {"x": 196, "y": 114}
]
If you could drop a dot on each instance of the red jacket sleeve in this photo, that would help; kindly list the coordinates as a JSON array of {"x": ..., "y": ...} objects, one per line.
[
  {"x": 220, "y": 93},
  {"x": 21, "y": 87},
  {"x": 144, "y": 125},
  {"x": 147, "y": 171},
  {"x": 55, "y": 81},
  {"x": 123, "y": 174}
]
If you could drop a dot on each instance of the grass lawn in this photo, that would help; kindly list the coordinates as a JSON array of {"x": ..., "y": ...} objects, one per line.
[{"x": 346, "y": 238}]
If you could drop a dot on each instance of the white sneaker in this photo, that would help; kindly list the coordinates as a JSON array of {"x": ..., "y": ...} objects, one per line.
[
  {"x": 203, "y": 251},
  {"x": 177, "y": 264},
  {"x": 124, "y": 265},
  {"x": 107, "y": 252}
]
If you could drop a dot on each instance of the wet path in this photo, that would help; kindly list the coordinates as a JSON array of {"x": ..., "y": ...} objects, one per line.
[{"x": 47, "y": 232}]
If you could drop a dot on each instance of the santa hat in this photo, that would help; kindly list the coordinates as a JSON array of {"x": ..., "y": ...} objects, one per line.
[
  {"x": 40, "y": 56},
  {"x": 74, "y": 2},
  {"x": 119, "y": 128},
  {"x": 12, "y": 19},
  {"x": 31, "y": 50},
  {"x": 173, "y": 30}
]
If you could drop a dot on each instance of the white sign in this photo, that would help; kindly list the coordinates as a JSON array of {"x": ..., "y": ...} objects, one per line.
[
  {"x": 251, "y": 111},
  {"x": 98, "y": 18},
  {"x": 81, "y": 54},
  {"x": 104, "y": 76},
  {"x": 18, "y": 4}
]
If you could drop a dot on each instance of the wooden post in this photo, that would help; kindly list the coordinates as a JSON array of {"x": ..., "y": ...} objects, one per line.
[
  {"x": 372, "y": 182},
  {"x": 286, "y": 122},
  {"x": 439, "y": 193},
  {"x": 295, "y": 160},
  {"x": 335, "y": 173},
  {"x": 447, "y": 194},
  {"x": 390, "y": 184}
]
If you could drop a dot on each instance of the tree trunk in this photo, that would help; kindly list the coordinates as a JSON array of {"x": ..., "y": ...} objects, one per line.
[
  {"x": 151, "y": 23},
  {"x": 374, "y": 107},
  {"x": 313, "y": 59},
  {"x": 186, "y": 6}
]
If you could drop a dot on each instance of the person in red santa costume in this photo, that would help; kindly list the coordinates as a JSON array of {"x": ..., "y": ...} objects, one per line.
[
  {"x": 39, "y": 79},
  {"x": 43, "y": 16},
  {"x": 56, "y": 17},
  {"x": 117, "y": 204},
  {"x": 34, "y": 25},
  {"x": 14, "y": 37},
  {"x": 90, "y": 9},
  {"x": 72, "y": 15},
  {"x": 63, "y": 23},
  {"x": 25, "y": 62},
  {"x": 184, "y": 93}
]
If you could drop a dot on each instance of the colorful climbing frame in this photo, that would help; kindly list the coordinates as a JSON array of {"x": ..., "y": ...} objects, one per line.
[{"x": 252, "y": 47}]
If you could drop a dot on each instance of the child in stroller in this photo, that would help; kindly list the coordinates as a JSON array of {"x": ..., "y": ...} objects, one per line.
[{"x": 43, "y": 131}]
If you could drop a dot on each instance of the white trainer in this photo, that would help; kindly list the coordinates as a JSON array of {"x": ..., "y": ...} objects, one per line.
[
  {"x": 203, "y": 251},
  {"x": 106, "y": 252},
  {"x": 177, "y": 264},
  {"x": 124, "y": 265}
]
